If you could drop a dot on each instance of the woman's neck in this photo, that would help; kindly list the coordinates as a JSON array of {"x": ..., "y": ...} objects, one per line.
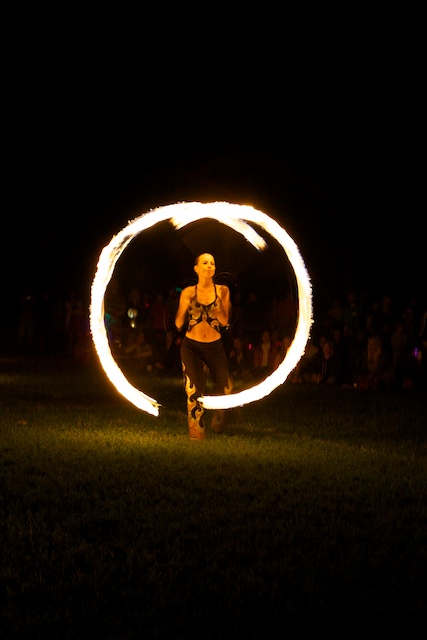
[{"x": 205, "y": 283}]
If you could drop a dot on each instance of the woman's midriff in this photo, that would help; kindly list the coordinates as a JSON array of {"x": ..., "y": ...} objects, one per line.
[{"x": 203, "y": 332}]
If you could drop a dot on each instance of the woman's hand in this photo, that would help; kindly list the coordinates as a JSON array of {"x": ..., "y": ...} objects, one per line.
[{"x": 223, "y": 309}]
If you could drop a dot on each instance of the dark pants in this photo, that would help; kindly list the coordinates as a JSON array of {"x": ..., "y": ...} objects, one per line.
[{"x": 195, "y": 358}]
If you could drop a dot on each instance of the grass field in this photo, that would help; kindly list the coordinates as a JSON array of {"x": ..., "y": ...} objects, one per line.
[{"x": 307, "y": 516}]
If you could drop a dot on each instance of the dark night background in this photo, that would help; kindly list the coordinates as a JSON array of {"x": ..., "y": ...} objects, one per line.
[{"x": 329, "y": 147}]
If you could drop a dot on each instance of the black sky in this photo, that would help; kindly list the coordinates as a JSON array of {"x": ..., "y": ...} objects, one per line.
[{"x": 334, "y": 158}]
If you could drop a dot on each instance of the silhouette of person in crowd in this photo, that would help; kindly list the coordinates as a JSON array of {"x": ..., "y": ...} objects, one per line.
[
  {"x": 114, "y": 313},
  {"x": 265, "y": 352},
  {"x": 139, "y": 350},
  {"x": 240, "y": 361},
  {"x": 375, "y": 367}
]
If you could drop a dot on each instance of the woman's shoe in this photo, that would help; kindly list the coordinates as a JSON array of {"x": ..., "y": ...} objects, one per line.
[
  {"x": 196, "y": 431},
  {"x": 218, "y": 421}
]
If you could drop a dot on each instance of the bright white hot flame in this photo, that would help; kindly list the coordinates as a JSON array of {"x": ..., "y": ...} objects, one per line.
[
  {"x": 220, "y": 211},
  {"x": 236, "y": 217}
]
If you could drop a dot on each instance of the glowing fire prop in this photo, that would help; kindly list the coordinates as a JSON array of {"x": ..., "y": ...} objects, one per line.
[{"x": 236, "y": 217}]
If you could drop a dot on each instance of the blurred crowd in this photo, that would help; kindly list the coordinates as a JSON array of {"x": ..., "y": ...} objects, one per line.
[
  {"x": 357, "y": 340},
  {"x": 368, "y": 343}
]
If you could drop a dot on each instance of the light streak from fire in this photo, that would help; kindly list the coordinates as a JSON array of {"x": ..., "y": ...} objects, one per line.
[{"x": 236, "y": 217}]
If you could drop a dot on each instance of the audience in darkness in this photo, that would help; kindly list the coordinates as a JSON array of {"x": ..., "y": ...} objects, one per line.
[{"x": 358, "y": 341}]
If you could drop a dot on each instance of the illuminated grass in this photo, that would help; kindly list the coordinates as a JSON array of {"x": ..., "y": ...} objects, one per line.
[{"x": 312, "y": 507}]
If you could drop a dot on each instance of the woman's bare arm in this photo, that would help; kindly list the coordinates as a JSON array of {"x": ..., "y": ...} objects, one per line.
[
  {"x": 184, "y": 303},
  {"x": 224, "y": 310}
]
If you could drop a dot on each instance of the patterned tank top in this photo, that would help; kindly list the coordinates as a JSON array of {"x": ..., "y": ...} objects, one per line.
[{"x": 198, "y": 312}]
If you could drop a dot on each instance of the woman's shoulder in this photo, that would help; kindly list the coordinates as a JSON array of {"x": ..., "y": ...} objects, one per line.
[
  {"x": 222, "y": 289},
  {"x": 189, "y": 292}
]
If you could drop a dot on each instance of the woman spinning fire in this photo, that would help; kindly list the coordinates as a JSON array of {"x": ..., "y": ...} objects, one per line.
[{"x": 206, "y": 308}]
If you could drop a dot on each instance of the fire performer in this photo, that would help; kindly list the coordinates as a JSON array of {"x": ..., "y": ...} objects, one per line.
[{"x": 205, "y": 309}]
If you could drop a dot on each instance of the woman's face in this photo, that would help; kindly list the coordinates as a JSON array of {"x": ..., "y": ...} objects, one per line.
[{"x": 205, "y": 267}]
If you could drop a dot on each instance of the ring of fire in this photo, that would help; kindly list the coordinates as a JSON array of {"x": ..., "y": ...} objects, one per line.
[{"x": 238, "y": 217}]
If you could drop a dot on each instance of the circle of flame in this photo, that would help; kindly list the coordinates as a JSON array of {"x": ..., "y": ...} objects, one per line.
[{"x": 237, "y": 217}]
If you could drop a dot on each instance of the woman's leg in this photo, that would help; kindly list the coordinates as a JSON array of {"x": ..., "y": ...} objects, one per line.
[
  {"x": 194, "y": 384},
  {"x": 216, "y": 361}
]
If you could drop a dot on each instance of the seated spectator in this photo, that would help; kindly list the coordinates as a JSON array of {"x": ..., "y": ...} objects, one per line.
[
  {"x": 140, "y": 351},
  {"x": 325, "y": 366},
  {"x": 304, "y": 367},
  {"x": 283, "y": 350},
  {"x": 399, "y": 343},
  {"x": 375, "y": 366}
]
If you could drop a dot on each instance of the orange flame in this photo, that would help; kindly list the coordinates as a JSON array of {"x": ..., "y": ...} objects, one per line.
[{"x": 236, "y": 217}]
